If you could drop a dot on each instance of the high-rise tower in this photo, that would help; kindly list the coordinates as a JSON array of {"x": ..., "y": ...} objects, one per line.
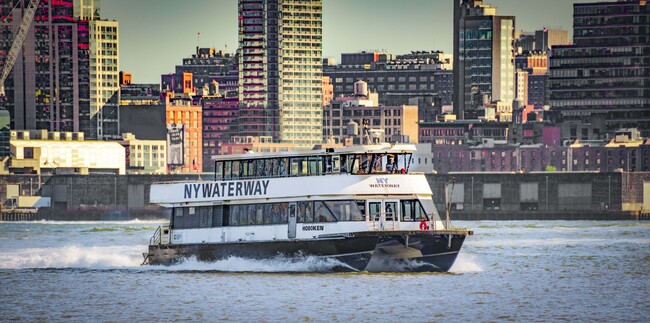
[
  {"x": 483, "y": 57},
  {"x": 104, "y": 71},
  {"x": 602, "y": 83},
  {"x": 48, "y": 86},
  {"x": 280, "y": 70}
]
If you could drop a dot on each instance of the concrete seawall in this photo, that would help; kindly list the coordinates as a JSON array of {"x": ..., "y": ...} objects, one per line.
[
  {"x": 476, "y": 196},
  {"x": 541, "y": 196}
]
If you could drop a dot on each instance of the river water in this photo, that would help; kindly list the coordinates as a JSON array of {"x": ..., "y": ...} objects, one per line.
[{"x": 507, "y": 271}]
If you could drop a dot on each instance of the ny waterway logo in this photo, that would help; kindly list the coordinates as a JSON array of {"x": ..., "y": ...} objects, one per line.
[
  {"x": 226, "y": 189},
  {"x": 382, "y": 182}
]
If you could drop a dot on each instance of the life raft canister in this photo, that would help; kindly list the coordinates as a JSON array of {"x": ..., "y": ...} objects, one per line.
[{"x": 423, "y": 225}]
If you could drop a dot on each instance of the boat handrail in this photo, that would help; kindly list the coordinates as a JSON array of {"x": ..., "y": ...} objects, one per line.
[
  {"x": 156, "y": 238},
  {"x": 376, "y": 224}
]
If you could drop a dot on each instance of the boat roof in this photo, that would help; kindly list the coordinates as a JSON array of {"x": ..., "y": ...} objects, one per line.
[{"x": 361, "y": 149}]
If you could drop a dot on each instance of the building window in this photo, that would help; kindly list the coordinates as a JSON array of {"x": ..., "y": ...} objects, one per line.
[{"x": 28, "y": 152}]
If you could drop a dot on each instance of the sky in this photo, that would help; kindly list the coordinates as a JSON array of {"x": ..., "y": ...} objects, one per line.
[{"x": 155, "y": 35}]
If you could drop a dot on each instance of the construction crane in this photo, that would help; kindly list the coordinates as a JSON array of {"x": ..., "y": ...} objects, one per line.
[{"x": 19, "y": 39}]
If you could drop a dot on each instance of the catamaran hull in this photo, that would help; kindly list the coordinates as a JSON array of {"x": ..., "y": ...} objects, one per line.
[
  {"x": 376, "y": 251},
  {"x": 416, "y": 252},
  {"x": 353, "y": 253}
]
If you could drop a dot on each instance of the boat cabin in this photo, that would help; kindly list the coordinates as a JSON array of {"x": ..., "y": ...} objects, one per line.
[
  {"x": 364, "y": 160},
  {"x": 405, "y": 210}
]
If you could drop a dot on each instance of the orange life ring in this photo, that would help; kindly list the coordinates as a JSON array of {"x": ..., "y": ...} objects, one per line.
[{"x": 423, "y": 225}]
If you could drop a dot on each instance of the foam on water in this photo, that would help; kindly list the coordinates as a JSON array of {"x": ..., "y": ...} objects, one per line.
[
  {"x": 77, "y": 223},
  {"x": 466, "y": 263},
  {"x": 237, "y": 264},
  {"x": 73, "y": 256}
]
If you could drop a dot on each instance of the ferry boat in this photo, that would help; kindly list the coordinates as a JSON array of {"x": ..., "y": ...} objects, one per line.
[{"x": 353, "y": 205}]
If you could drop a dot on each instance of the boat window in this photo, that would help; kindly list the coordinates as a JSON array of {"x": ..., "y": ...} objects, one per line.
[
  {"x": 305, "y": 214},
  {"x": 327, "y": 160},
  {"x": 177, "y": 212},
  {"x": 246, "y": 214},
  {"x": 376, "y": 164},
  {"x": 234, "y": 215},
  {"x": 218, "y": 170},
  {"x": 412, "y": 211},
  {"x": 345, "y": 162},
  {"x": 247, "y": 169},
  {"x": 258, "y": 214},
  {"x": 192, "y": 217},
  {"x": 353, "y": 164},
  {"x": 217, "y": 216},
  {"x": 251, "y": 215},
  {"x": 227, "y": 169},
  {"x": 298, "y": 166},
  {"x": 236, "y": 169},
  {"x": 407, "y": 211},
  {"x": 322, "y": 213},
  {"x": 243, "y": 170},
  {"x": 336, "y": 164},
  {"x": 205, "y": 216},
  {"x": 315, "y": 165},
  {"x": 345, "y": 210},
  {"x": 260, "y": 168},
  {"x": 365, "y": 162},
  {"x": 374, "y": 211},
  {"x": 361, "y": 204},
  {"x": 277, "y": 213},
  {"x": 407, "y": 159},
  {"x": 269, "y": 167},
  {"x": 389, "y": 209},
  {"x": 283, "y": 167}
]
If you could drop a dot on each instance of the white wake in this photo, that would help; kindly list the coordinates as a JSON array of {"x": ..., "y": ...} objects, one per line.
[{"x": 73, "y": 256}]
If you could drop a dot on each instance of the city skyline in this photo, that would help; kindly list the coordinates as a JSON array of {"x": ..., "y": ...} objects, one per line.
[{"x": 148, "y": 50}]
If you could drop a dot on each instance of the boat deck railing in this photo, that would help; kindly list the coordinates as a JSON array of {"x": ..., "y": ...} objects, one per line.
[
  {"x": 160, "y": 236},
  {"x": 156, "y": 238},
  {"x": 213, "y": 179},
  {"x": 382, "y": 221}
]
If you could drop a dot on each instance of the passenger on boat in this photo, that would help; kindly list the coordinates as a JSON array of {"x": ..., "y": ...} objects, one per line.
[
  {"x": 390, "y": 166},
  {"x": 389, "y": 212},
  {"x": 320, "y": 214}
]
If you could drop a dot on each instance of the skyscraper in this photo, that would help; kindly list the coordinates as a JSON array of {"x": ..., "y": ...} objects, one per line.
[
  {"x": 602, "y": 82},
  {"x": 483, "y": 57},
  {"x": 48, "y": 86},
  {"x": 280, "y": 74},
  {"x": 104, "y": 71},
  {"x": 547, "y": 38}
]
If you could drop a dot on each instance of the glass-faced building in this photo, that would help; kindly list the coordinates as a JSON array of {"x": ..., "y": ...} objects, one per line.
[
  {"x": 280, "y": 74},
  {"x": 483, "y": 58},
  {"x": 602, "y": 82},
  {"x": 104, "y": 73}
]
